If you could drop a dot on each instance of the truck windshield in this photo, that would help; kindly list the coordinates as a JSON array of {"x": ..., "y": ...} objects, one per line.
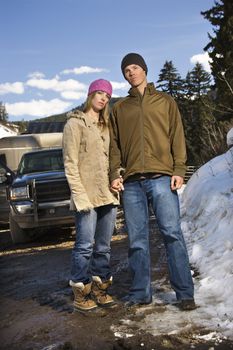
[{"x": 41, "y": 161}]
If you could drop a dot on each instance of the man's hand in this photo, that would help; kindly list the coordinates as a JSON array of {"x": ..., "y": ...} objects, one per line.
[
  {"x": 176, "y": 182},
  {"x": 117, "y": 185}
]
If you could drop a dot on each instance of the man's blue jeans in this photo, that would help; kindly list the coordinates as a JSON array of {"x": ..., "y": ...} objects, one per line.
[
  {"x": 136, "y": 197},
  {"x": 91, "y": 252}
]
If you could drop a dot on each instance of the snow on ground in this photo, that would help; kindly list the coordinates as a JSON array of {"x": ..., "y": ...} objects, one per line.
[{"x": 207, "y": 223}]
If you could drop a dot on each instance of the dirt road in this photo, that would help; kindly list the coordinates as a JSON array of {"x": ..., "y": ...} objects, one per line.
[{"x": 36, "y": 301}]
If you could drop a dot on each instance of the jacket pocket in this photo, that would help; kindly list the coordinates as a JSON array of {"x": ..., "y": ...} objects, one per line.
[{"x": 83, "y": 146}]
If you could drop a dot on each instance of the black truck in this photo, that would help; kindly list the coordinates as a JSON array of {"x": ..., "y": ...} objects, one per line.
[{"x": 38, "y": 194}]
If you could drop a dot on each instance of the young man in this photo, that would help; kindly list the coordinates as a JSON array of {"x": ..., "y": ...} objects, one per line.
[{"x": 148, "y": 151}]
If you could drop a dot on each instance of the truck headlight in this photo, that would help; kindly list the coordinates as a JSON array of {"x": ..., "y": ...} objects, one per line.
[{"x": 19, "y": 193}]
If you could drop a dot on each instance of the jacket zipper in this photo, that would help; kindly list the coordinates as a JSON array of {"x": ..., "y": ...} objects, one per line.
[{"x": 142, "y": 133}]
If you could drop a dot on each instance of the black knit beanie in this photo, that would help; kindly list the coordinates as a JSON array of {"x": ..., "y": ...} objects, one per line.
[{"x": 133, "y": 58}]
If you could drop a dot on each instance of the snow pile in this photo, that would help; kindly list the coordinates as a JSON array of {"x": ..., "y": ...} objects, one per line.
[
  {"x": 207, "y": 223},
  {"x": 230, "y": 138}
]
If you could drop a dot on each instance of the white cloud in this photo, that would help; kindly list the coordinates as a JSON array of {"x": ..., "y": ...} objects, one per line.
[
  {"x": 11, "y": 88},
  {"x": 120, "y": 86},
  {"x": 73, "y": 95},
  {"x": 202, "y": 58},
  {"x": 57, "y": 85},
  {"x": 36, "y": 75},
  {"x": 83, "y": 70},
  {"x": 37, "y": 108}
]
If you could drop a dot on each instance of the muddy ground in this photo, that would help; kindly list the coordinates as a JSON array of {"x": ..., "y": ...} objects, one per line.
[{"x": 36, "y": 300}]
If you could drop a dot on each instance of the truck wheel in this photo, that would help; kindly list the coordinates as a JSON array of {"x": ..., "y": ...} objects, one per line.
[{"x": 18, "y": 235}]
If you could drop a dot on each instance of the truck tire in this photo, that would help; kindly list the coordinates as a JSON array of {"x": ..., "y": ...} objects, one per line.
[{"x": 18, "y": 235}]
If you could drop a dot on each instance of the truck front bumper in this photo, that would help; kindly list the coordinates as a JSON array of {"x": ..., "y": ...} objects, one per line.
[{"x": 43, "y": 215}]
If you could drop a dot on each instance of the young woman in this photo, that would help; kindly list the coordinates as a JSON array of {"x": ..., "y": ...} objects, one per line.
[{"x": 86, "y": 152}]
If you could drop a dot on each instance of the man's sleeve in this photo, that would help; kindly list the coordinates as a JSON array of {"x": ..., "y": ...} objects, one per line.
[
  {"x": 114, "y": 153},
  {"x": 178, "y": 145}
]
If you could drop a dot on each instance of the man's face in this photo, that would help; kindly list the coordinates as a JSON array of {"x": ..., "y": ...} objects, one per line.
[{"x": 135, "y": 75}]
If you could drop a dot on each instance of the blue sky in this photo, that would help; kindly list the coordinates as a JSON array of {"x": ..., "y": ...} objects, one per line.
[{"x": 52, "y": 49}]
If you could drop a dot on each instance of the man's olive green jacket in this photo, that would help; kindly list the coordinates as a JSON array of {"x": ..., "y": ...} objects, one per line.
[{"x": 146, "y": 135}]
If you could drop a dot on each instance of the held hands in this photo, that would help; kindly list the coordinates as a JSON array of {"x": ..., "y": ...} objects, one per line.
[
  {"x": 176, "y": 182},
  {"x": 117, "y": 185}
]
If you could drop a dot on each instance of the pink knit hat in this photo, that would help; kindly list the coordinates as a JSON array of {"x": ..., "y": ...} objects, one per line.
[{"x": 100, "y": 85}]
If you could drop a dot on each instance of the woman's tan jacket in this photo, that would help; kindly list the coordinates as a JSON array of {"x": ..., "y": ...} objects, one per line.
[{"x": 86, "y": 161}]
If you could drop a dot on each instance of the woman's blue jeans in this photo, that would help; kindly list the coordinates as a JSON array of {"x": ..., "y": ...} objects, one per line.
[
  {"x": 91, "y": 251},
  {"x": 136, "y": 197}
]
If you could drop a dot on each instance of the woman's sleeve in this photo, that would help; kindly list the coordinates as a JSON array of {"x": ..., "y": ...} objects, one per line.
[{"x": 71, "y": 144}]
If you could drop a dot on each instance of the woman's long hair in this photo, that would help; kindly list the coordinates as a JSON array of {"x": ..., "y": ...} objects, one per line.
[{"x": 104, "y": 113}]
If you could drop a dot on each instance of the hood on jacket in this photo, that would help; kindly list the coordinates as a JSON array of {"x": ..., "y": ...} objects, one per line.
[{"x": 76, "y": 114}]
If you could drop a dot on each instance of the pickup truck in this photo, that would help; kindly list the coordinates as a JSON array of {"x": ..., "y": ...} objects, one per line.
[{"x": 38, "y": 194}]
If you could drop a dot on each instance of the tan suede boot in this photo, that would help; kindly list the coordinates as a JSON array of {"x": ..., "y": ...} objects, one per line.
[
  {"x": 82, "y": 296},
  {"x": 99, "y": 291}
]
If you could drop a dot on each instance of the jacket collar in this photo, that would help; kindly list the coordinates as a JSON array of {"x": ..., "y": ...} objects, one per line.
[{"x": 149, "y": 90}]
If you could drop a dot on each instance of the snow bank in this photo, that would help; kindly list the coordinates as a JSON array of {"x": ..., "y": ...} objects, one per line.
[{"x": 207, "y": 223}]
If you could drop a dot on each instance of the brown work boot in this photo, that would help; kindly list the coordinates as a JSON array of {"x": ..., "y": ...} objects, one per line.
[
  {"x": 99, "y": 292},
  {"x": 187, "y": 305},
  {"x": 82, "y": 296}
]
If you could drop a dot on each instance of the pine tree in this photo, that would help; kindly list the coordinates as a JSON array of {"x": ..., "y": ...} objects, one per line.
[
  {"x": 199, "y": 80},
  {"x": 170, "y": 81},
  {"x": 220, "y": 49},
  {"x": 3, "y": 112},
  {"x": 188, "y": 86},
  {"x": 197, "y": 84}
]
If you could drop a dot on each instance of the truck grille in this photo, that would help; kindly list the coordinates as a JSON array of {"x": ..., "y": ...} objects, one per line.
[{"x": 52, "y": 190}]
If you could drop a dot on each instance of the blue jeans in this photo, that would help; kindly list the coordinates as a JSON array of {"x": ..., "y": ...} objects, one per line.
[
  {"x": 136, "y": 197},
  {"x": 91, "y": 251}
]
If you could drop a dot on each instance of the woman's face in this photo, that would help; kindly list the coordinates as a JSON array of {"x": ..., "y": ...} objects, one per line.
[{"x": 99, "y": 101}]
